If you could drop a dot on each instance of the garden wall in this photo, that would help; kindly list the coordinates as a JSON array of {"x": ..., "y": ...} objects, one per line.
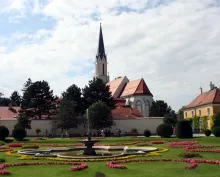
[{"x": 125, "y": 125}]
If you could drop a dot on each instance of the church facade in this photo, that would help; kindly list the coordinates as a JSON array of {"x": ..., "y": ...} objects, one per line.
[{"x": 134, "y": 94}]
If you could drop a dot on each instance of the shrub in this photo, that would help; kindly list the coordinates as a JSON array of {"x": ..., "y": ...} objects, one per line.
[
  {"x": 215, "y": 120},
  {"x": 134, "y": 130},
  {"x": 216, "y": 131},
  {"x": 195, "y": 120},
  {"x": 207, "y": 132},
  {"x": 38, "y": 131},
  {"x": 184, "y": 129},
  {"x": 3, "y": 132},
  {"x": 2, "y": 160},
  {"x": 30, "y": 147},
  {"x": 1, "y": 143},
  {"x": 189, "y": 155},
  {"x": 165, "y": 130},
  {"x": 19, "y": 133},
  {"x": 204, "y": 123},
  {"x": 147, "y": 133}
]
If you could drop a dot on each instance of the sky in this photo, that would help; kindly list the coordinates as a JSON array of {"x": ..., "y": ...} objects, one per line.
[{"x": 173, "y": 44}]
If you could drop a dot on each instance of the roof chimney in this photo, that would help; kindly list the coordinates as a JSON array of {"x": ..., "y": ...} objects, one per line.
[
  {"x": 200, "y": 89},
  {"x": 211, "y": 86},
  {"x": 10, "y": 106}
]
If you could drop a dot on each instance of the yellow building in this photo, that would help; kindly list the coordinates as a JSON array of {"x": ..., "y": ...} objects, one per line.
[{"x": 206, "y": 104}]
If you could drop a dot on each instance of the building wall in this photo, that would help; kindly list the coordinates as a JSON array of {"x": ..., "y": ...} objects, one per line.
[
  {"x": 124, "y": 125},
  {"x": 196, "y": 111}
]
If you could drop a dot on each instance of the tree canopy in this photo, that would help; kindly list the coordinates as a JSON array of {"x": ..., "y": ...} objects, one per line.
[
  {"x": 171, "y": 118},
  {"x": 23, "y": 122},
  {"x": 98, "y": 91},
  {"x": 159, "y": 108},
  {"x": 100, "y": 116},
  {"x": 180, "y": 114},
  {"x": 15, "y": 98}
]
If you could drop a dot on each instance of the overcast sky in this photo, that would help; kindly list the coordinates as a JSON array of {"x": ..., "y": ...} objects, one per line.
[{"x": 173, "y": 44}]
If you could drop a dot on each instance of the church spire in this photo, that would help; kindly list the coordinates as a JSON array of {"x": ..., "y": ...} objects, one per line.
[{"x": 101, "y": 47}]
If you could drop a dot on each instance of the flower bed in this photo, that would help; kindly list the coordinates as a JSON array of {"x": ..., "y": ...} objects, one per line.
[
  {"x": 3, "y": 149},
  {"x": 181, "y": 144},
  {"x": 79, "y": 166},
  {"x": 157, "y": 142},
  {"x": 15, "y": 145}
]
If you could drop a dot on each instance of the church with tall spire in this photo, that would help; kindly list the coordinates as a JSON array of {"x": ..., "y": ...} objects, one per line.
[{"x": 133, "y": 98}]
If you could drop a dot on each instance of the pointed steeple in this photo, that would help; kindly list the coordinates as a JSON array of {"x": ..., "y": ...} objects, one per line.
[{"x": 101, "y": 47}]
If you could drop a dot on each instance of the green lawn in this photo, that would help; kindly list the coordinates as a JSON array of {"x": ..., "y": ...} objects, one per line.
[{"x": 147, "y": 169}]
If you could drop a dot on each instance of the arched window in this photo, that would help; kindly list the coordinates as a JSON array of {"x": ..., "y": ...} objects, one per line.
[
  {"x": 147, "y": 107},
  {"x": 139, "y": 105}
]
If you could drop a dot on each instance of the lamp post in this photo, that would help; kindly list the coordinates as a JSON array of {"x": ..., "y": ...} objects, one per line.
[{"x": 87, "y": 113}]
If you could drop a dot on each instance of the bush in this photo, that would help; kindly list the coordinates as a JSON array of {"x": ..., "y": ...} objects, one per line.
[
  {"x": 207, "y": 132},
  {"x": 184, "y": 129},
  {"x": 165, "y": 130},
  {"x": 2, "y": 143},
  {"x": 147, "y": 133},
  {"x": 134, "y": 130},
  {"x": 19, "y": 133},
  {"x": 216, "y": 131},
  {"x": 30, "y": 147},
  {"x": 2, "y": 160},
  {"x": 189, "y": 155},
  {"x": 38, "y": 131},
  {"x": 3, "y": 132}
]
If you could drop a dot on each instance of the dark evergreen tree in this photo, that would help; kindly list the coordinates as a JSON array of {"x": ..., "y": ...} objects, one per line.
[
  {"x": 100, "y": 116},
  {"x": 15, "y": 98},
  {"x": 98, "y": 91},
  {"x": 180, "y": 114},
  {"x": 171, "y": 118},
  {"x": 5, "y": 101},
  {"x": 27, "y": 84},
  {"x": 73, "y": 93},
  {"x": 38, "y": 100},
  {"x": 66, "y": 117},
  {"x": 159, "y": 109},
  {"x": 23, "y": 122}
]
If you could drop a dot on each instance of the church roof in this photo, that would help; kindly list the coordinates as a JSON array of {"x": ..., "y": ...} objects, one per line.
[
  {"x": 136, "y": 87},
  {"x": 210, "y": 97},
  {"x": 114, "y": 84},
  {"x": 101, "y": 47}
]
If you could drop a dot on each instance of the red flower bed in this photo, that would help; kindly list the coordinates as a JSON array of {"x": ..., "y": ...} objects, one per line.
[
  {"x": 3, "y": 149},
  {"x": 181, "y": 144},
  {"x": 157, "y": 142},
  {"x": 15, "y": 145},
  {"x": 79, "y": 165},
  {"x": 115, "y": 165}
]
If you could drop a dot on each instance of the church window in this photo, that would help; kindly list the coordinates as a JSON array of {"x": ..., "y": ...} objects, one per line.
[
  {"x": 103, "y": 70},
  {"x": 139, "y": 105}
]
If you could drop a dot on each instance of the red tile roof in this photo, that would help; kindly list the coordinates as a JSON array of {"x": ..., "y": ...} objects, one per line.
[
  {"x": 126, "y": 112},
  {"x": 210, "y": 97},
  {"x": 136, "y": 87},
  {"x": 113, "y": 85},
  {"x": 9, "y": 114},
  {"x": 119, "y": 102}
]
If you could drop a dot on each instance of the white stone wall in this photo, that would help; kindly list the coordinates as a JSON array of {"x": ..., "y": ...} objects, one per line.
[
  {"x": 143, "y": 99},
  {"x": 125, "y": 125}
]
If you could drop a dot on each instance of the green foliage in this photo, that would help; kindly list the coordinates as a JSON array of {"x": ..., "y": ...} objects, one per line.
[
  {"x": 184, "y": 129},
  {"x": 2, "y": 143},
  {"x": 165, "y": 130},
  {"x": 170, "y": 118},
  {"x": 19, "y": 133},
  {"x": 73, "y": 93},
  {"x": 195, "y": 120},
  {"x": 147, "y": 133},
  {"x": 23, "y": 122},
  {"x": 5, "y": 101},
  {"x": 38, "y": 131},
  {"x": 98, "y": 91},
  {"x": 180, "y": 114},
  {"x": 15, "y": 98},
  {"x": 40, "y": 99},
  {"x": 2, "y": 160},
  {"x": 207, "y": 132},
  {"x": 159, "y": 109},
  {"x": 30, "y": 147},
  {"x": 204, "y": 123},
  {"x": 216, "y": 131},
  {"x": 216, "y": 120},
  {"x": 4, "y": 132},
  {"x": 189, "y": 155},
  {"x": 190, "y": 120},
  {"x": 134, "y": 130},
  {"x": 67, "y": 117},
  {"x": 100, "y": 116}
]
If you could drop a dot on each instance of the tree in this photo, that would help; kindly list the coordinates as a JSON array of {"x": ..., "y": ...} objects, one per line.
[
  {"x": 100, "y": 116},
  {"x": 38, "y": 100},
  {"x": 180, "y": 114},
  {"x": 27, "y": 84},
  {"x": 159, "y": 109},
  {"x": 23, "y": 122},
  {"x": 98, "y": 91},
  {"x": 15, "y": 98},
  {"x": 1, "y": 94},
  {"x": 5, "y": 101},
  {"x": 73, "y": 93},
  {"x": 170, "y": 118},
  {"x": 66, "y": 117}
]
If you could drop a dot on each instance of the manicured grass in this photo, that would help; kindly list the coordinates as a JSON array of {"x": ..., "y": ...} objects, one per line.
[{"x": 147, "y": 169}]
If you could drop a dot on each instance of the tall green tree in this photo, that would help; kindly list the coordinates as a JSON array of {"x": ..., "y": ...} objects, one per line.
[
  {"x": 170, "y": 118},
  {"x": 5, "y": 101},
  {"x": 180, "y": 114},
  {"x": 98, "y": 91},
  {"x": 67, "y": 117},
  {"x": 100, "y": 116},
  {"x": 73, "y": 93},
  {"x": 38, "y": 100},
  {"x": 27, "y": 84},
  {"x": 23, "y": 122},
  {"x": 15, "y": 98},
  {"x": 159, "y": 108}
]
